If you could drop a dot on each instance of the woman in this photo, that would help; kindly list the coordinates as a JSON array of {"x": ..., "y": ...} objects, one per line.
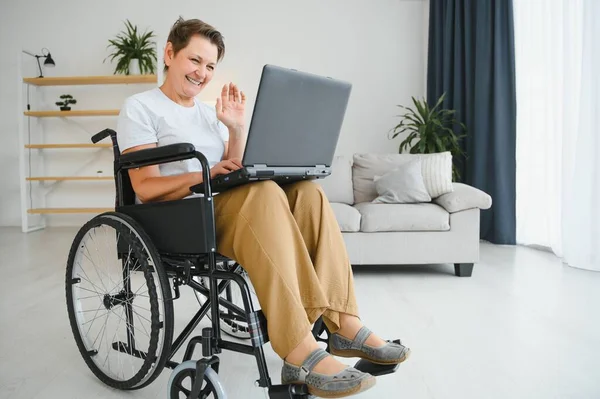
[{"x": 286, "y": 237}]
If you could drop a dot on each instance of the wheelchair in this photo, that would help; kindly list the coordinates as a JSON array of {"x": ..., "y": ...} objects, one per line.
[{"x": 124, "y": 272}]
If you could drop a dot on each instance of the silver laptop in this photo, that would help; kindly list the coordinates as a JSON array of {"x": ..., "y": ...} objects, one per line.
[{"x": 294, "y": 129}]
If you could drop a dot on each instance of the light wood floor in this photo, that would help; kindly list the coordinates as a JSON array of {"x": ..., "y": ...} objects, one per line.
[{"x": 524, "y": 326}]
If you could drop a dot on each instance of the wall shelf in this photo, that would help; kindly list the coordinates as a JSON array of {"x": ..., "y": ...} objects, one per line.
[
  {"x": 91, "y": 80},
  {"x": 85, "y": 145},
  {"x": 70, "y": 178},
  {"x": 35, "y": 176},
  {"x": 41, "y": 211},
  {"x": 98, "y": 112}
]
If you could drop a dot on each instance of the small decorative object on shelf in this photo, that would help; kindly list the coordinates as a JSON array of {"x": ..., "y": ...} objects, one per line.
[
  {"x": 67, "y": 99},
  {"x": 48, "y": 61},
  {"x": 135, "y": 52}
]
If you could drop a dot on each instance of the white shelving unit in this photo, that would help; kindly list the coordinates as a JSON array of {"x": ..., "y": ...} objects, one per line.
[{"x": 33, "y": 218}]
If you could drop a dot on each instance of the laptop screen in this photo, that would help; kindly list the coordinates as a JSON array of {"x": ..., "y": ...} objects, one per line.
[{"x": 297, "y": 119}]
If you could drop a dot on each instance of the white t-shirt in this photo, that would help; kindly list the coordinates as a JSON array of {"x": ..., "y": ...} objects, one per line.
[{"x": 152, "y": 117}]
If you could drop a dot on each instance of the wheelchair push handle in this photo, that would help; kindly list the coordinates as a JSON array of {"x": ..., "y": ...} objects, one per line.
[{"x": 96, "y": 138}]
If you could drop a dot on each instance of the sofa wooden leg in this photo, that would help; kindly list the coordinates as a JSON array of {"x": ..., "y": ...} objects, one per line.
[{"x": 463, "y": 269}]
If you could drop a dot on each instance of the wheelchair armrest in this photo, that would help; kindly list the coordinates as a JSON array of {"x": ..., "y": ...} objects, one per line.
[
  {"x": 169, "y": 153},
  {"x": 158, "y": 155}
]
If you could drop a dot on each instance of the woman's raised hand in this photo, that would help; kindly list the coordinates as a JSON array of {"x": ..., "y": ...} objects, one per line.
[{"x": 231, "y": 106}]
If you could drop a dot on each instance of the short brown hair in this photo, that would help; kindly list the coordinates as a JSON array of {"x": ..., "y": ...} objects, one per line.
[{"x": 183, "y": 30}]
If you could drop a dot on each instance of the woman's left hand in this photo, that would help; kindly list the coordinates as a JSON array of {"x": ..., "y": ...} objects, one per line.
[{"x": 231, "y": 106}]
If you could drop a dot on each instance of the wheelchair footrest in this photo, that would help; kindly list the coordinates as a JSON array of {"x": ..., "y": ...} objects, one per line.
[
  {"x": 291, "y": 391},
  {"x": 375, "y": 369}
]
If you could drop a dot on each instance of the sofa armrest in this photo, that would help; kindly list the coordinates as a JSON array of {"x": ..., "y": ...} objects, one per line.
[{"x": 464, "y": 197}]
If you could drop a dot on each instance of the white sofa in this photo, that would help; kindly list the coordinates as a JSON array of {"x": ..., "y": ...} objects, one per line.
[{"x": 445, "y": 230}]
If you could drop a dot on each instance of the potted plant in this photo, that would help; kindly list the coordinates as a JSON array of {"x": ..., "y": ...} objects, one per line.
[
  {"x": 435, "y": 130},
  {"x": 135, "y": 52},
  {"x": 66, "y": 100}
]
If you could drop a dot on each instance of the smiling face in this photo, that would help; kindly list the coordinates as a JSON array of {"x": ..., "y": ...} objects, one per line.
[{"x": 191, "y": 68}]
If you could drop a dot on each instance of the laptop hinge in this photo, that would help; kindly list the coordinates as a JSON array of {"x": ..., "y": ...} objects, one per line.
[
  {"x": 320, "y": 166},
  {"x": 260, "y": 166}
]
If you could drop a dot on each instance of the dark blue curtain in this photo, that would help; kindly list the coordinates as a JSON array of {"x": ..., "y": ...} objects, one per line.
[{"x": 471, "y": 58}]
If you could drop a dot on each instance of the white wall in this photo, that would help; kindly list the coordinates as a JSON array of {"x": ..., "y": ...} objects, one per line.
[{"x": 376, "y": 45}]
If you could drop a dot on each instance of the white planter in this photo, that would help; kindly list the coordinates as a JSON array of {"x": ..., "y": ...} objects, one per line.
[{"x": 134, "y": 67}]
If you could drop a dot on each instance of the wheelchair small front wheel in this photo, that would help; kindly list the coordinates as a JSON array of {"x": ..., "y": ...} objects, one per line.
[
  {"x": 183, "y": 379},
  {"x": 119, "y": 302}
]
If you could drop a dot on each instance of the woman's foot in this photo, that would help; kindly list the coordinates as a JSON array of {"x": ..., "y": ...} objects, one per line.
[
  {"x": 355, "y": 340},
  {"x": 351, "y": 325},
  {"x": 328, "y": 365},
  {"x": 324, "y": 376}
]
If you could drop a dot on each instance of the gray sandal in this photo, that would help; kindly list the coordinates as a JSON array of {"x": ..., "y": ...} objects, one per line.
[
  {"x": 347, "y": 382},
  {"x": 391, "y": 353}
]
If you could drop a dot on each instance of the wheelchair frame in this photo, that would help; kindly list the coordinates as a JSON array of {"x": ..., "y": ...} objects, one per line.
[
  {"x": 198, "y": 262},
  {"x": 196, "y": 256}
]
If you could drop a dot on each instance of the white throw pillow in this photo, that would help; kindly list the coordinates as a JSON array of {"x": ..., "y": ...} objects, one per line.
[
  {"x": 403, "y": 185},
  {"x": 435, "y": 168},
  {"x": 338, "y": 185}
]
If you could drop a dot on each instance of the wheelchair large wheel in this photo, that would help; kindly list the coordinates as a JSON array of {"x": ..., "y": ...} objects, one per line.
[
  {"x": 230, "y": 325},
  {"x": 183, "y": 378},
  {"x": 119, "y": 302}
]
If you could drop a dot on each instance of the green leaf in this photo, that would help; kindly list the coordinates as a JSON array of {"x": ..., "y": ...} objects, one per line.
[
  {"x": 432, "y": 129},
  {"x": 130, "y": 44},
  {"x": 439, "y": 101}
]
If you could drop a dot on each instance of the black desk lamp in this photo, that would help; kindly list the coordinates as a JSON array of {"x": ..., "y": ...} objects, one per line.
[{"x": 49, "y": 62}]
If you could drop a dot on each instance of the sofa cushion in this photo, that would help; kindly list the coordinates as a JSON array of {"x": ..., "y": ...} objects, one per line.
[
  {"x": 402, "y": 217},
  {"x": 435, "y": 168},
  {"x": 403, "y": 185},
  {"x": 348, "y": 218},
  {"x": 338, "y": 185}
]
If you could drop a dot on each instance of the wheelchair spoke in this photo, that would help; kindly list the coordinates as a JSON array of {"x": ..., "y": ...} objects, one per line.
[
  {"x": 96, "y": 269},
  {"x": 148, "y": 310},
  {"x": 86, "y": 311},
  {"x": 95, "y": 316},
  {"x": 102, "y": 329},
  {"x": 98, "y": 295},
  {"x": 92, "y": 321},
  {"x": 88, "y": 297},
  {"x": 138, "y": 290},
  {"x": 117, "y": 285},
  {"x": 134, "y": 327},
  {"x": 89, "y": 280},
  {"x": 129, "y": 274}
]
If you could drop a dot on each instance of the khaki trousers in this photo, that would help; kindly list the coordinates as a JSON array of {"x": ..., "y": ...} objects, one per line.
[{"x": 288, "y": 240}]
